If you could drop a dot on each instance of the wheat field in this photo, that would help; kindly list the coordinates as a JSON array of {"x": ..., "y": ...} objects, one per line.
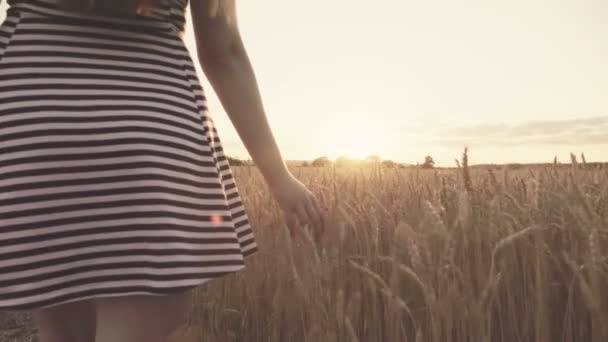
[{"x": 450, "y": 255}]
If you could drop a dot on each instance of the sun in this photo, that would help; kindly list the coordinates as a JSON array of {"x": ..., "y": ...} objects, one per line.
[{"x": 355, "y": 142}]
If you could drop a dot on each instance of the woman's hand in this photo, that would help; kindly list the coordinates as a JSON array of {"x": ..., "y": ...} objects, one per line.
[{"x": 298, "y": 202}]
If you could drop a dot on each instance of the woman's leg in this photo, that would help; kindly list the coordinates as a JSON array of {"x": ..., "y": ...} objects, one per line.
[
  {"x": 70, "y": 322},
  {"x": 141, "y": 318}
]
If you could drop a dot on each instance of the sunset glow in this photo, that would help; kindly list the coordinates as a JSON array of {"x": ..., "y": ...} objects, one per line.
[{"x": 516, "y": 81}]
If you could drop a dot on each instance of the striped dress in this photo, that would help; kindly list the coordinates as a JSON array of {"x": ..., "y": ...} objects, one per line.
[{"x": 113, "y": 180}]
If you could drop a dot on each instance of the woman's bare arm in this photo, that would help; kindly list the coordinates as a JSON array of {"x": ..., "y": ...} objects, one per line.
[{"x": 226, "y": 64}]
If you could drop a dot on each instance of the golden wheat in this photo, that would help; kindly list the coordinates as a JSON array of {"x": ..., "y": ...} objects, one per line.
[{"x": 417, "y": 255}]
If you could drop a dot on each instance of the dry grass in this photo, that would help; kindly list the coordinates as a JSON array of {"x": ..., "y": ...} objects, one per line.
[{"x": 423, "y": 255}]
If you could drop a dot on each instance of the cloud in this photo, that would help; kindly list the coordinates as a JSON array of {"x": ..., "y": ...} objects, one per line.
[{"x": 583, "y": 131}]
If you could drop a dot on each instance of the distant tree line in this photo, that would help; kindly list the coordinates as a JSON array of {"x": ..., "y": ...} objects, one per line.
[
  {"x": 372, "y": 160},
  {"x": 428, "y": 163},
  {"x": 238, "y": 162},
  {"x": 342, "y": 161}
]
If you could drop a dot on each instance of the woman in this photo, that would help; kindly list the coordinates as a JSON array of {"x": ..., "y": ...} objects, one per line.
[{"x": 116, "y": 199}]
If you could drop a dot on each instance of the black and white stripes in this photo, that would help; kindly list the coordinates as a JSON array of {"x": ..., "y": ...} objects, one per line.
[{"x": 113, "y": 180}]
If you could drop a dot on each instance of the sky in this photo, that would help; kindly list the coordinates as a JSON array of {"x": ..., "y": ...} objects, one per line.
[{"x": 515, "y": 81}]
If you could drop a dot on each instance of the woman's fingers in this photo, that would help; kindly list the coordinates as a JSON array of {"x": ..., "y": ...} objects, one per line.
[
  {"x": 317, "y": 222},
  {"x": 317, "y": 206},
  {"x": 302, "y": 214},
  {"x": 290, "y": 219},
  {"x": 313, "y": 213},
  {"x": 306, "y": 211}
]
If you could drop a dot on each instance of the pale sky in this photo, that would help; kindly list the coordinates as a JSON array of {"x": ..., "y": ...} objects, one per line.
[{"x": 516, "y": 81}]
